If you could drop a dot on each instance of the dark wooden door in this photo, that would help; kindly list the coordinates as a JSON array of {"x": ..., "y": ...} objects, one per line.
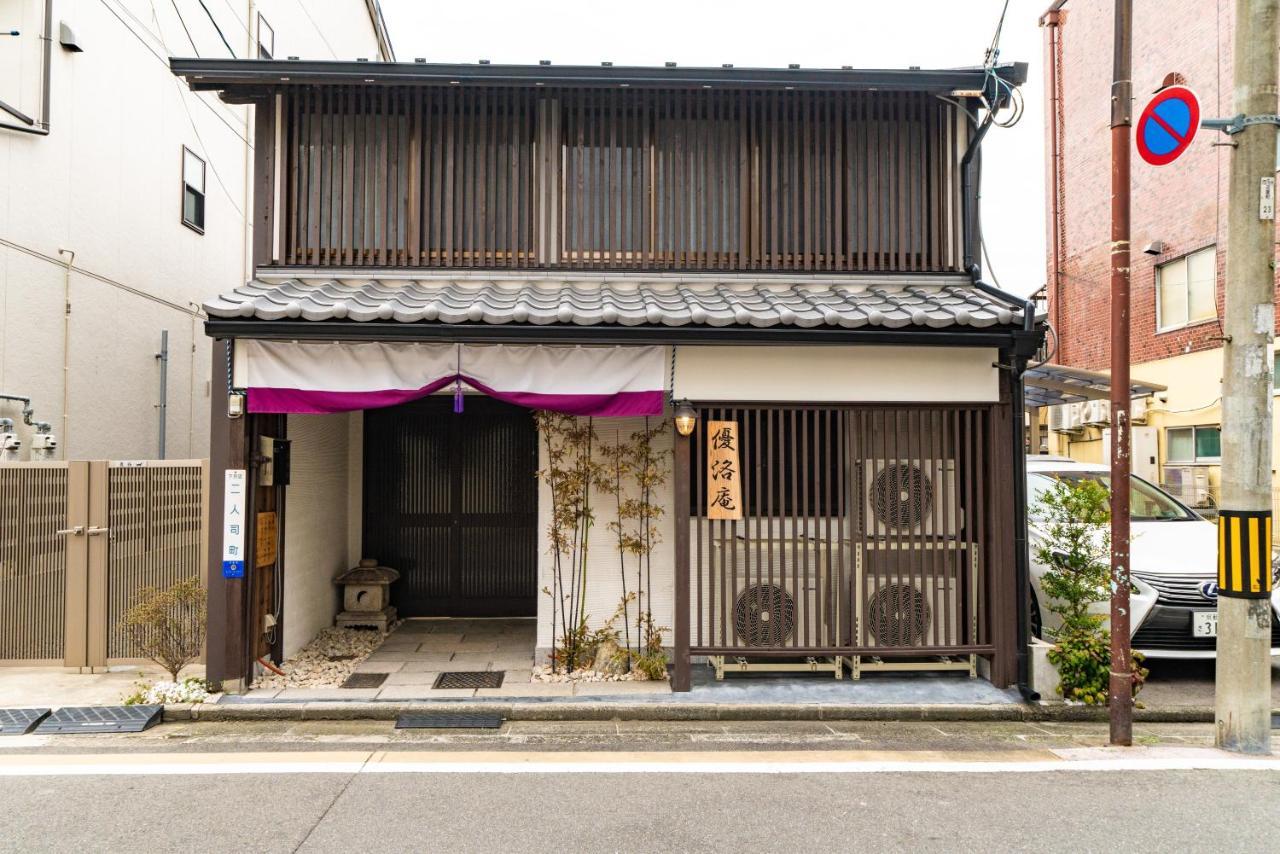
[{"x": 450, "y": 500}]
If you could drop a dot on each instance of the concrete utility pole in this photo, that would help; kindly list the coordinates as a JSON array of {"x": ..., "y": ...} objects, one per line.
[
  {"x": 1120, "y": 690},
  {"x": 1243, "y": 690}
]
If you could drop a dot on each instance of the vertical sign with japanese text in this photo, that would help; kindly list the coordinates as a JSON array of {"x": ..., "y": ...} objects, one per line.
[
  {"x": 724, "y": 481},
  {"x": 233, "y": 509}
]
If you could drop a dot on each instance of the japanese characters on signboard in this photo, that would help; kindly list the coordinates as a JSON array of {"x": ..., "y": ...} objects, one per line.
[
  {"x": 265, "y": 539},
  {"x": 724, "y": 481},
  {"x": 233, "y": 509}
]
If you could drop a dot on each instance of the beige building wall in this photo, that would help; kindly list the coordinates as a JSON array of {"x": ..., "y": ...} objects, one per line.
[
  {"x": 94, "y": 259},
  {"x": 316, "y": 529},
  {"x": 1194, "y": 398}
]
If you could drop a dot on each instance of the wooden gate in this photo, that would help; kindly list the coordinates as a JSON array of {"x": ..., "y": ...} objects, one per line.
[
  {"x": 79, "y": 539},
  {"x": 865, "y": 531},
  {"x": 450, "y": 500}
]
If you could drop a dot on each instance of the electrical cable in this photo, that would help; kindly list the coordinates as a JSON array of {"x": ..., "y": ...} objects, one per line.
[
  {"x": 181, "y": 21},
  {"x": 214, "y": 21}
]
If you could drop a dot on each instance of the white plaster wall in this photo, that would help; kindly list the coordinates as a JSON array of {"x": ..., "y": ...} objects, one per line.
[
  {"x": 106, "y": 184},
  {"x": 837, "y": 373},
  {"x": 604, "y": 583},
  {"x": 316, "y": 524}
]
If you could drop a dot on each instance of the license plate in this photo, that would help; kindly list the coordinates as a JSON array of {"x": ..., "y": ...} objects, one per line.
[{"x": 1204, "y": 624}]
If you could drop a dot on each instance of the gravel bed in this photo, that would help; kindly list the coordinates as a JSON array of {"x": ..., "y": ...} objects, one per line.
[{"x": 326, "y": 661}]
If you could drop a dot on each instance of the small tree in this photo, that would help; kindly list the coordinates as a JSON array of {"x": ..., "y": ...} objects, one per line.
[
  {"x": 1076, "y": 549},
  {"x": 168, "y": 625}
]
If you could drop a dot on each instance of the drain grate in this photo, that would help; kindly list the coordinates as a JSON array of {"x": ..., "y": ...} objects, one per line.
[
  {"x": 77, "y": 719},
  {"x": 364, "y": 680},
  {"x": 20, "y": 721},
  {"x": 414, "y": 721},
  {"x": 470, "y": 679}
]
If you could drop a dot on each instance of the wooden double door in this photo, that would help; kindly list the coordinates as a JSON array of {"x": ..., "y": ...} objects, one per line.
[{"x": 450, "y": 500}]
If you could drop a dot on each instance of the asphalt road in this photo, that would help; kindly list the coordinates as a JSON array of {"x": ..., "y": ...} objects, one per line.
[{"x": 1076, "y": 811}]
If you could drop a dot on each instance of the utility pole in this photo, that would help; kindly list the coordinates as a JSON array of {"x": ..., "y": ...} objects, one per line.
[
  {"x": 1120, "y": 693},
  {"x": 1243, "y": 689}
]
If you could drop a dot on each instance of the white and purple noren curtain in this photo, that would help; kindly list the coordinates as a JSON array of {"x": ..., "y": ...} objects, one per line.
[{"x": 323, "y": 377}]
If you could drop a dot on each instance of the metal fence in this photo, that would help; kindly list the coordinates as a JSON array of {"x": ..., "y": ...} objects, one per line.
[
  {"x": 865, "y": 531},
  {"x": 79, "y": 539}
]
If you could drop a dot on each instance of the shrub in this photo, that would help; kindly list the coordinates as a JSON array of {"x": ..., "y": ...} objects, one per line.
[
  {"x": 1082, "y": 656},
  {"x": 168, "y": 625},
  {"x": 1076, "y": 549}
]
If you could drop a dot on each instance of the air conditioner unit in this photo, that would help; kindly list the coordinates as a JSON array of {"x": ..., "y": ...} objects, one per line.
[
  {"x": 897, "y": 608},
  {"x": 910, "y": 497},
  {"x": 784, "y": 586},
  {"x": 1138, "y": 410},
  {"x": 1189, "y": 484},
  {"x": 1096, "y": 413},
  {"x": 1065, "y": 418}
]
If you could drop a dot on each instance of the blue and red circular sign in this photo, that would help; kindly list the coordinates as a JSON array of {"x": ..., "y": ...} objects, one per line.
[{"x": 1168, "y": 125}]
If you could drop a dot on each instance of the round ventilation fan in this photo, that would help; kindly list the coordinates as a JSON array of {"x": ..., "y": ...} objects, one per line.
[
  {"x": 898, "y": 615},
  {"x": 901, "y": 495},
  {"x": 764, "y": 615}
]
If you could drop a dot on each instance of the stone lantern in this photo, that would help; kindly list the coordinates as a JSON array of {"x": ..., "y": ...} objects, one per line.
[{"x": 365, "y": 597}]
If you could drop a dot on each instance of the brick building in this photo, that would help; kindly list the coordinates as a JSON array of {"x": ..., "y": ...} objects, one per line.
[{"x": 1179, "y": 222}]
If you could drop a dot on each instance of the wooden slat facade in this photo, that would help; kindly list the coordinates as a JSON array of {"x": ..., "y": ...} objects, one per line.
[
  {"x": 866, "y": 530},
  {"x": 620, "y": 179}
]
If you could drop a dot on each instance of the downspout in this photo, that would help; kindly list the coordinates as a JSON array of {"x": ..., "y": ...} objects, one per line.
[
  {"x": 1051, "y": 20},
  {"x": 66, "y": 346},
  {"x": 41, "y": 127},
  {"x": 1024, "y": 346}
]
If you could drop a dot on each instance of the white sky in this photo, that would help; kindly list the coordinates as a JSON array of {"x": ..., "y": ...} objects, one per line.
[{"x": 861, "y": 33}]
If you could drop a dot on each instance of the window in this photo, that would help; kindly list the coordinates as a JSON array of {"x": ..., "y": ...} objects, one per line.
[
  {"x": 1146, "y": 502},
  {"x": 266, "y": 39},
  {"x": 1185, "y": 290},
  {"x": 1193, "y": 444},
  {"x": 192, "y": 190}
]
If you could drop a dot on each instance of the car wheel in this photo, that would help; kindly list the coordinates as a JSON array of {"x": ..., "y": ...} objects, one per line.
[{"x": 1037, "y": 627}]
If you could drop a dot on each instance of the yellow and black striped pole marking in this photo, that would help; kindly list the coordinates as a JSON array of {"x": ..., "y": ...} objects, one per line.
[{"x": 1244, "y": 553}]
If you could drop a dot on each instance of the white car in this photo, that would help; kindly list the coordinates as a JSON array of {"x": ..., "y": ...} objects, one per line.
[{"x": 1173, "y": 558}]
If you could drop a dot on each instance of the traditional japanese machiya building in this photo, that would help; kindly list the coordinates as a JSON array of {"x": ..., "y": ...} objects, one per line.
[{"x": 783, "y": 258}]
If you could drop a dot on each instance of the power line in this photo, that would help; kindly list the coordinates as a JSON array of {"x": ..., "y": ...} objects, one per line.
[
  {"x": 181, "y": 21},
  {"x": 164, "y": 60},
  {"x": 319, "y": 32},
  {"x": 214, "y": 21}
]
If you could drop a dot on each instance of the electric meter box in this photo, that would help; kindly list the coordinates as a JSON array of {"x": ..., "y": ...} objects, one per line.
[{"x": 273, "y": 463}]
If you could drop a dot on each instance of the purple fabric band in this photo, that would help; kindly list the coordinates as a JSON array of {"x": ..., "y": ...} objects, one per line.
[{"x": 302, "y": 401}]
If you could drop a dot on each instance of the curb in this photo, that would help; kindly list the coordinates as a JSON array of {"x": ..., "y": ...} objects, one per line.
[{"x": 542, "y": 711}]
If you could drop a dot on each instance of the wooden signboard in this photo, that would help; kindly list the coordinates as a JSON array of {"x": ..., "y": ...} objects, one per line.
[
  {"x": 264, "y": 541},
  {"x": 724, "y": 477}
]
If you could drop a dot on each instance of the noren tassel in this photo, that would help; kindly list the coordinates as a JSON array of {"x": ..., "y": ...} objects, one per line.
[{"x": 457, "y": 397}]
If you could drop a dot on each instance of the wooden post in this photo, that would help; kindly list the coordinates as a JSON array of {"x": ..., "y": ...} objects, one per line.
[
  {"x": 264, "y": 183},
  {"x": 226, "y": 641},
  {"x": 681, "y": 674}
]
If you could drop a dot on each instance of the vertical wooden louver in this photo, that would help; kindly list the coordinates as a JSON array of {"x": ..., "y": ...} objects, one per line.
[{"x": 621, "y": 179}]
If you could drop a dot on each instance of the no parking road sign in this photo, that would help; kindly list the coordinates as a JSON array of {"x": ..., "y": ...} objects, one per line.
[{"x": 1168, "y": 125}]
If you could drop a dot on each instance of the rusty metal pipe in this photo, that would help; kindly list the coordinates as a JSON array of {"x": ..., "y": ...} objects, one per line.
[{"x": 1121, "y": 683}]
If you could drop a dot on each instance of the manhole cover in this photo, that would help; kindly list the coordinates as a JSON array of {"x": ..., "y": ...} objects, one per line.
[
  {"x": 76, "y": 719},
  {"x": 413, "y": 721},
  {"x": 364, "y": 680},
  {"x": 470, "y": 679},
  {"x": 20, "y": 721}
]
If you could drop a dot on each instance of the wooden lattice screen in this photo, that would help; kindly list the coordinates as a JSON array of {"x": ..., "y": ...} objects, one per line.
[
  {"x": 583, "y": 178},
  {"x": 33, "y": 561},
  {"x": 865, "y": 530}
]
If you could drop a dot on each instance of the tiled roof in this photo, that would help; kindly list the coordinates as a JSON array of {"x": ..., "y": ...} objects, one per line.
[{"x": 892, "y": 302}]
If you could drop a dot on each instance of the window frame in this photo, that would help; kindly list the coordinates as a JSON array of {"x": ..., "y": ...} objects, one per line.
[
  {"x": 1185, "y": 260},
  {"x": 201, "y": 191},
  {"x": 271, "y": 49},
  {"x": 1196, "y": 459}
]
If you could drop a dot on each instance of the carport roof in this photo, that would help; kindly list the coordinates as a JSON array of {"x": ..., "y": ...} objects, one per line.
[{"x": 1049, "y": 385}]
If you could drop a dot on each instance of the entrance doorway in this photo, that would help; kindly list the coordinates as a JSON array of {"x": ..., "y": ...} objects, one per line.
[{"x": 450, "y": 500}]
